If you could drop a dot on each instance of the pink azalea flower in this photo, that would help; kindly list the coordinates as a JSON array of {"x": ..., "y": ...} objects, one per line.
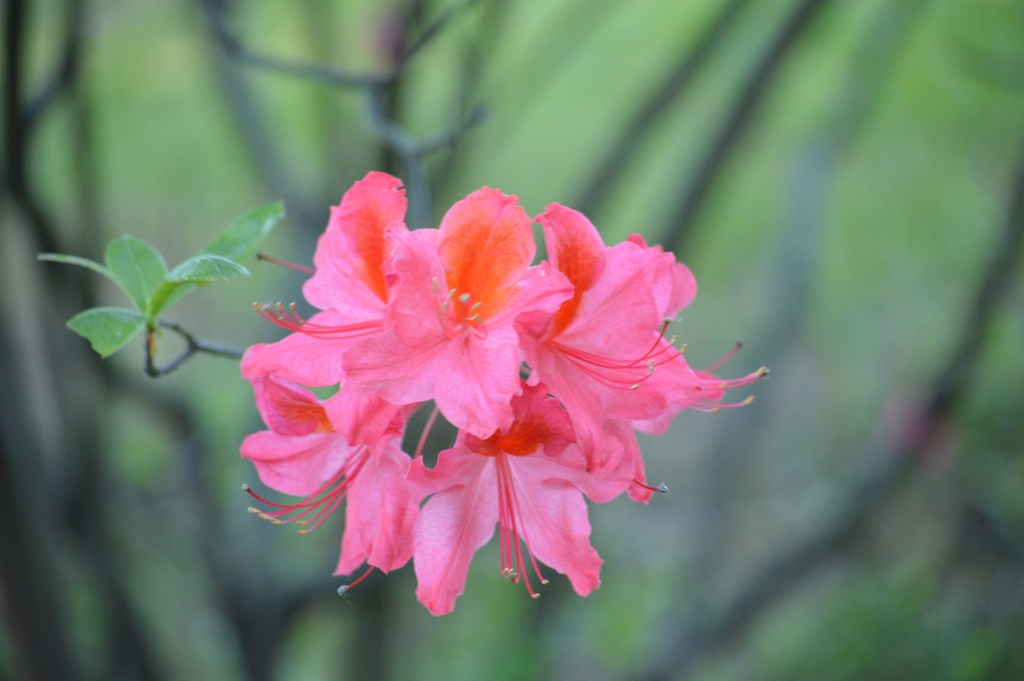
[
  {"x": 604, "y": 354},
  {"x": 349, "y": 286},
  {"x": 448, "y": 331},
  {"x": 528, "y": 479},
  {"x": 346, "y": 449}
]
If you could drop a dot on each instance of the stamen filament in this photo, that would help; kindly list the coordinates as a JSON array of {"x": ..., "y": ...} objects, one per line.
[
  {"x": 285, "y": 263},
  {"x": 289, "y": 319},
  {"x": 345, "y": 588}
]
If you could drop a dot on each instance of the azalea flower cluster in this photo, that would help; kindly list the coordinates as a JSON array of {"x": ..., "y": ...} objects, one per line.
[{"x": 547, "y": 371}]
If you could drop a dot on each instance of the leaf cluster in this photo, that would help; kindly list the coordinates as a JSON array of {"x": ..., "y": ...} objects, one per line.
[{"x": 141, "y": 272}]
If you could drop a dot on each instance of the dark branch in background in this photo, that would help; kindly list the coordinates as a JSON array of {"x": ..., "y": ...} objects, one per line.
[
  {"x": 323, "y": 73},
  {"x": 448, "y": 138},
  {"x": 798, "y": 244},
  {"x": 193, "y": 346},
  {"x": 476, "y": 52},
  {"x": 376, "y": 87},
  {"x": 738, "y": 118},
  {"x": 261, "y": 144},
  {"x": 32, "y": 609},
  {"x": 893, "y": 463},
  {"x": 65, "y": 70},
  {"x": 33, "y": 604},
  {"x": 671, "y": 91}
]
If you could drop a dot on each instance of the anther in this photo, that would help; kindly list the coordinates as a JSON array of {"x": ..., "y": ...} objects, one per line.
[
  {"x": 264, "y": 516},
  {"x": 344, "y": 589},
  {"x": 464, "y": 298}
]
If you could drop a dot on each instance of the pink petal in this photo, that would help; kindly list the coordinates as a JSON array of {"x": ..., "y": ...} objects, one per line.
[
  {"x": 314, "y": 360},
  {"x": 295, "y": 465},
  {"x": 380, "y": 515},
  {"x": 554, "y": 522},
  {"x": 576, "y": 250},
  {"x": 454, "y": 523},
  {"x": 364, "y": 418},
  {"x": 486, "y": 246},
  {"x": 350, "y": 256},
  {"x": 471, "y": 373},
  {"x": 289, "y": 409}
]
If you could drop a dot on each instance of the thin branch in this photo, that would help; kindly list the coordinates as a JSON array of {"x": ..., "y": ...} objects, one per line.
[
  {"x": 323, "y": 73},
  {"x": 193, "y": 346},
  {"x": 871, "y": 66},
  {"x": 64, "y": 71},
  {"x": 431, "y": 31},
  {"x": 237, "y": 51},
  {"x": 405, "y": 148},
  {"x": 675, "y": 87},
  {"x": 449, "y": 137},
  {"x": 950, "y": 385},
  {"x": 740, "y": 114}
]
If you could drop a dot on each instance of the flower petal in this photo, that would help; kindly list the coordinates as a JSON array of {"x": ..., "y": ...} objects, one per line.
[
  {"x": 379, "y": 516},
  {"x": 295, "y": 465},
  {"x": 576, "y": 250},
  {"x": 350, "y": 256},
  {"x": 453, "y": 524},
  {"x": 486, "y": 246},
  {"x": 287, "y": 408},
  {"x": 308, "y": 358}
]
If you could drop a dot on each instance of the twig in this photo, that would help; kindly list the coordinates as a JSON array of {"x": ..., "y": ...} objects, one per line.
[
  {"x": 740, "y": 114},
  {"x": 448, "y": 138},
  {"x": 236, "y": 50},
  {"x": 64, "y": 71},
  {"x": 323, "y": 73},
  {"x": 193, "y": 345},
  {"x": 405, "y": 148},
  {"x": 408, "y": 152}
]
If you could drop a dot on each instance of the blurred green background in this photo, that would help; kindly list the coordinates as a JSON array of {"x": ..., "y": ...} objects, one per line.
[{"x": 845, "y": 178}]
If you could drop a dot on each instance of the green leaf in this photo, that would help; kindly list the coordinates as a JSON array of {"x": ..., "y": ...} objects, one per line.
[
  {"x": 205, "y": 269},
  {"x": 138, "y": 267},
  {"x": 107, "y": 328},
  {"x": 245, "y": 233},
  {"x": 81, "y": 262},
  {"x": 201, "y": 269}
]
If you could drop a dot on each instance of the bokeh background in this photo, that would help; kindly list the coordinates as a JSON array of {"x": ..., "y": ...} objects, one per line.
[{"x": 845, "y": 178}]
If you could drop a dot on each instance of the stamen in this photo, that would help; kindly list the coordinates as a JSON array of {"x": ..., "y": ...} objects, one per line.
[
  {"x": 622, "y": 374},
  {"x": 736, "y": 347},
  {"x": 660, "y": 489},
  {"x": 425, "y": 433},
  {"x": 510, "y": 546},
  {"x": 316, "y": 508},
  {"x": 344, "y": 589},
  {"x": 285, "y": 263},
  {"x": 288, "y": 318}
]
